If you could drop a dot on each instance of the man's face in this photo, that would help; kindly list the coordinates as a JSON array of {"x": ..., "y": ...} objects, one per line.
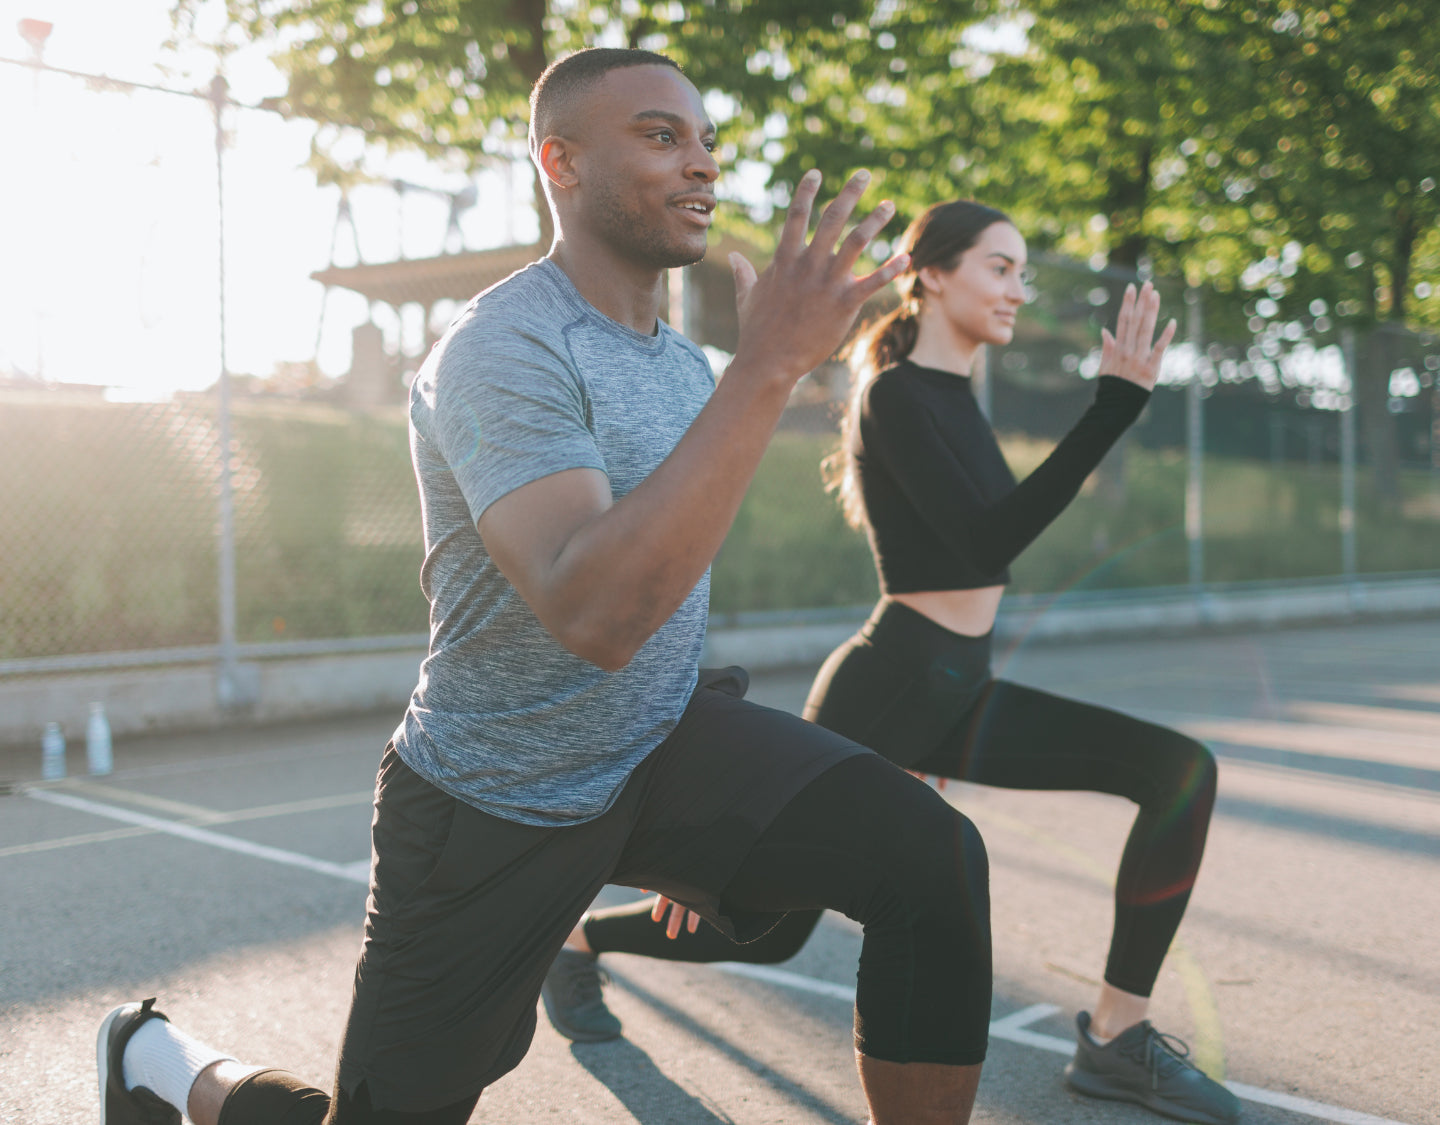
[{"x": 646, "y": 169}]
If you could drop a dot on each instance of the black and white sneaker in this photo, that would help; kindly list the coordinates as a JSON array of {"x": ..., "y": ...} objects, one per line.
[
  {"x": 572, "y": 999},
  {"x": 119, "y": 1106},
  {"x": 1152, "y": 1069}
]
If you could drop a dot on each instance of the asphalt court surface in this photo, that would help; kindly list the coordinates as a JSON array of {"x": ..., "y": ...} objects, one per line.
[{"x": 225, "y": 874}]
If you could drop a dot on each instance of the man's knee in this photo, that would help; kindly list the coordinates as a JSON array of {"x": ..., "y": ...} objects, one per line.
[{"x": 939, "y": 880}]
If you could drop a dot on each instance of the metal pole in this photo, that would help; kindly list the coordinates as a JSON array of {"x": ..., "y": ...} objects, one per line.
[
  {"x": 228, "y": 677},
  {"x": 1347, "y": 459},
  {"x": 1195, "y": 446},
  {"x": 35, "y": 33}
]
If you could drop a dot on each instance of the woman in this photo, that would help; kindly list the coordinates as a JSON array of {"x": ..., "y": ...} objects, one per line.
[{"x": 920, "y": 471}]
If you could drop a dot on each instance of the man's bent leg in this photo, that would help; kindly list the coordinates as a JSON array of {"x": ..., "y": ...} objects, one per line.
[
  {"x": 868, "y": 840},
  {"x": 467, "y": 911},
  {"x": 917, "y": 1093},
  {"x": 749, "y": 813},
  {"x": 274, "y": 1097}
]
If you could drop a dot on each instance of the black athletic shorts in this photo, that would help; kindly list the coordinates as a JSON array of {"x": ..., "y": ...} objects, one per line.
[{"x": 468, "y": 910}]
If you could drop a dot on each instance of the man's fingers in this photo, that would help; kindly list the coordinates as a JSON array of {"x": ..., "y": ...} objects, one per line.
[
  {"x": 870, "y": 284},
  {"x": 864, "y": 232},
  {"x": 692, "y": 921},
  {"x": 658, "y": 910},
  {"x": 797, "y": 221},
  {"x": 837, "y": 214},
  {"x": 672, "y": 927},
  {"x": 745, "y": 277}
]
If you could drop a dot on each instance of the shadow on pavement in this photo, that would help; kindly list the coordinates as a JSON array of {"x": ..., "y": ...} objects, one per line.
[
  {"x": 641, "y": 1086},
  {"x": 811, "y": 1102},
  {"x": 1329, "y": 826},
  {"x": 1404, "y": 777}
]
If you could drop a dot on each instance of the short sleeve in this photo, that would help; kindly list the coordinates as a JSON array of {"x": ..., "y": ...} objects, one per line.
[{"x": 506, "y": 410}]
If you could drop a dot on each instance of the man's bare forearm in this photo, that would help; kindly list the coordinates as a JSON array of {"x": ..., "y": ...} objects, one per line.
[{"x": 622, "y": 575}]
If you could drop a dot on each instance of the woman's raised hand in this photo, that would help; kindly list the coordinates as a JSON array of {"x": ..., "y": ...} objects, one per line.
[{"x": 1130, "y": 353}]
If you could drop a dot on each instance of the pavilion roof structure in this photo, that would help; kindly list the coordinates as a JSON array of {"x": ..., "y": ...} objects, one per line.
[{"x": 424, "y": 281}]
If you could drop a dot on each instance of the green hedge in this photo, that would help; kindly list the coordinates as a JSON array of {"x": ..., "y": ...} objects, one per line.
[{"x": 108, "y": 527}]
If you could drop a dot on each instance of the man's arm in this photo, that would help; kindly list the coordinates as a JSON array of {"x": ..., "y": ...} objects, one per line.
[{"x": 602, "y": 576}]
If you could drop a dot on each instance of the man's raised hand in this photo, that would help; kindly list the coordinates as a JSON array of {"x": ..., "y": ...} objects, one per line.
[{"x": 797, "y": 311}]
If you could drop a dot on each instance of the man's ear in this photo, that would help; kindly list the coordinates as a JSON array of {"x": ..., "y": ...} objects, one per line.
[{"x": 557, "y": 162}]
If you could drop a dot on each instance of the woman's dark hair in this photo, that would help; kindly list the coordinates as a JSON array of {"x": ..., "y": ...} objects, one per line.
[{"x": 937, "y": 238}]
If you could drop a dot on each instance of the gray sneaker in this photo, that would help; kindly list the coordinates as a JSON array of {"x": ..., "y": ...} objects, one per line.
[
  {"x": 572, "y": 999},
  {"x": 119, "y": 1106},
  {"x": 1152, "y": 1069}
]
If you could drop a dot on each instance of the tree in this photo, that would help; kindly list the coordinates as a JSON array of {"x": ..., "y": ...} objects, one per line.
[
  {"x": 1277, "y": 151},
  {"x": 452, "y": 77},
  {"x": 1338, "y": 162}
]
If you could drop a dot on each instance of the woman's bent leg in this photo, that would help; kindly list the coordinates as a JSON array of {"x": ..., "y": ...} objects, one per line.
[
  {"x": 1021, "y": 738},
  {"x": 629, "y": 929}
]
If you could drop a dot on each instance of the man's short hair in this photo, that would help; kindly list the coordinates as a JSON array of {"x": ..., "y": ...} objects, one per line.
[{"x": 557, "y": 92}]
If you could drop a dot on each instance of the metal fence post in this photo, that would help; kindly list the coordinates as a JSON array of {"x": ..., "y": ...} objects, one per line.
[
  {"x": 1195, "y": 447},
  {"x": 227, "y": 687},
  {"x": 1347, "y": 459}
]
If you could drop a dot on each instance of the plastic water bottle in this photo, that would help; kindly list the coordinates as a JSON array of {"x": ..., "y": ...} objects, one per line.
[
  {"x": 52, "y": 753},
  {"x": 98, "y": 754}
]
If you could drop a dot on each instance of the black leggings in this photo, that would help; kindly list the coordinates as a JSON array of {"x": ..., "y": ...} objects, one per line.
[
  {"x": 923, "y": 697},
  {"x": 863, "y": 838}
]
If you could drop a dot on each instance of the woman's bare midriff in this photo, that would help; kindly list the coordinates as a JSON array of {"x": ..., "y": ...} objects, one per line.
[{"x": 968, "y": 612}]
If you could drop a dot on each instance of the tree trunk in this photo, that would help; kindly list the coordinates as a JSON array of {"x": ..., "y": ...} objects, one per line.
[
  {"x": 1126, "y": 198},
  {"x": 1383, "y": 351},
  {"x": 531, "y": 58}
]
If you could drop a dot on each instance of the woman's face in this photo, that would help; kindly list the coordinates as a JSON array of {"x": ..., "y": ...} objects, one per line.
[{"x": 979, "y": 298}]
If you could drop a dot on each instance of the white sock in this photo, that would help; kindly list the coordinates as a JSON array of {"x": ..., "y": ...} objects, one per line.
[{"x": 166, "y": 1061}]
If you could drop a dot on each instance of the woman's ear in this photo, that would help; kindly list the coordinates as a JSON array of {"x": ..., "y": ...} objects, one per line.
[
  {"x": 927, "y": 280},
  {"x": 557, "y": 162}
]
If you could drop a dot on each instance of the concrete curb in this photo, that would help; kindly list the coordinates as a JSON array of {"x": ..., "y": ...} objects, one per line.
[
  {"x": 306, "y": 682},
  {"x": 1119, "y": 615}
]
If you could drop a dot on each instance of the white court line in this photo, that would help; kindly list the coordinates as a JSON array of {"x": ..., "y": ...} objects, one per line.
[
  {"x": 350, "y": 872},
  {"x": 1013, "y": 1028}
]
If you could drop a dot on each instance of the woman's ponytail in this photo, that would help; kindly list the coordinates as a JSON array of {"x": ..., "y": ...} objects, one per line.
[{"x": 937, "y": 238}]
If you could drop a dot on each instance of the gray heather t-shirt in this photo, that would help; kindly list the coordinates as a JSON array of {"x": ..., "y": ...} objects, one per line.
[{"x": 531, "y": 380}]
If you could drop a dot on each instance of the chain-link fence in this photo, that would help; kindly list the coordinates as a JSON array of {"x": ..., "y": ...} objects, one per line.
[
  {"x": 109, "y": 524},
  {"x": 126, "y": 529}
]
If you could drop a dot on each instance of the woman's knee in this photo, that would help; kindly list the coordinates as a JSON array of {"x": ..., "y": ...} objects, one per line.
[{"x": 1194, "y": 773}]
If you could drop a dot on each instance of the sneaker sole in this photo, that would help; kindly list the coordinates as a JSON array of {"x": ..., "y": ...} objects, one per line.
[
  {"x": 102, "y": 1055},
  {"x": 1097, "y": 1086}
]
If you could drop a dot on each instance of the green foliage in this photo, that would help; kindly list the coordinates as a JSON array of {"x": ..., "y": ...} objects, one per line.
[
  {"x": 328, "y": 541},
  {"x": 108, "y": 518},
  {"x": 1201, "y": 136},
  {"x": 790, "y": 547},
  {"x": 108, "y": 527}
]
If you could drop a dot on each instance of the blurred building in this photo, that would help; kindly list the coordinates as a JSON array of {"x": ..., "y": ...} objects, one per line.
[{"x": 701, "y": 304}]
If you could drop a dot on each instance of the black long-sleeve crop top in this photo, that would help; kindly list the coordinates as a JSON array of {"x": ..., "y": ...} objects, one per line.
[{"x": 943, "y": 509}]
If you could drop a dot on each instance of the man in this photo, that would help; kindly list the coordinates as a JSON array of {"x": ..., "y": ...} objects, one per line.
[{"x": 577, "y": 475}]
